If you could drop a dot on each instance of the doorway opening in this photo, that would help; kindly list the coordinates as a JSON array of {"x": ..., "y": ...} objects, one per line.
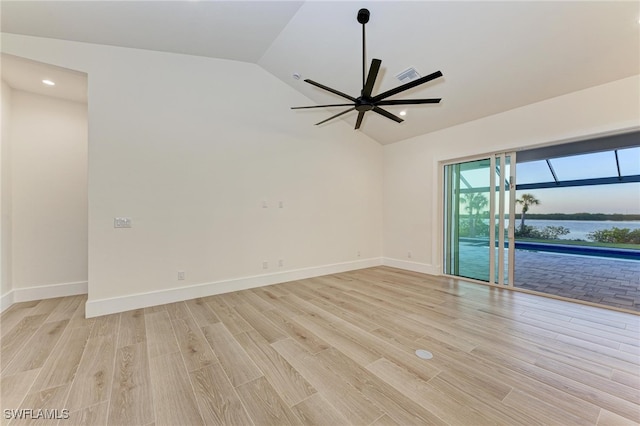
[
  {"x": 567, "y": 226},
  {"x": 44, "y": 229},
  {"x": 578, "y": 221}
]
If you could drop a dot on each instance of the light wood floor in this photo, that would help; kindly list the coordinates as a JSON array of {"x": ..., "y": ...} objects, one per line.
[{"x": 333, "y": 350}]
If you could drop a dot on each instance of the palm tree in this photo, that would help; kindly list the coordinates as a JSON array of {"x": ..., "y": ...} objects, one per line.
[
  {"x": 474, "y": 201},
  {"x": 526, "y": 200}
]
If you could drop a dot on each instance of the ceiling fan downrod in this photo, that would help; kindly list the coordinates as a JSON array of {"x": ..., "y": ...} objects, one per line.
[{"x": 363, "y": 18}]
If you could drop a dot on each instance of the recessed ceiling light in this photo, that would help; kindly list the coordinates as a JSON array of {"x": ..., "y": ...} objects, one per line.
[
  {"x": 403, "y": 113},
  {"x": 48, "y": 82}
]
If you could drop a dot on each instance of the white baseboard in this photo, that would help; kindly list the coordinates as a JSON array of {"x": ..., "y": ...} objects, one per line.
[
  {"x": 48, "y": 291},
  {"x": 94, "y": 308},
  {"x": 424, "y": 268},
  {"x": 6, "y": 300}
]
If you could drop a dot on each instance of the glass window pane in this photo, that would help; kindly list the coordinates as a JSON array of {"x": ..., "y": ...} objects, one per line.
[
  {"x": 629, "y": 159},
  {"x": 473, "y": 179},
  {"x": 473, "y": 174},
  {"x": 585, "y": 166},
  {"x": 467, "y": 251},
  {"x": 533, "y": 172}
]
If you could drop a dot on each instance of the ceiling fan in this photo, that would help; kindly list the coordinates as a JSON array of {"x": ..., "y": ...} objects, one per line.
[{"x": 366, "y": 102}]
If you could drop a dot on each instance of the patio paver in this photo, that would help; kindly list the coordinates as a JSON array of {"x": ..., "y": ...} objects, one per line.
[
  {"x": 607, "y": 281},
  {"x": 612, "y": 282}
]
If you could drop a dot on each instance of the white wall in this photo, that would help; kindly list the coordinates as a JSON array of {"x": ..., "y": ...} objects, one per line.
[
  {"x": 5, "y": 199},
  {"x": 189, "y": 148},
  {"x": 49, "y": 191},
  {"x": 412, "y": 173}
]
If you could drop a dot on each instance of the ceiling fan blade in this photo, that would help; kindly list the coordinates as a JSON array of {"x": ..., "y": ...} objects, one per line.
[
  {"x": 388, "y": 114},
  {"x": 371, "y": 78},
  {"x": 407, "y": 86},
  {"x": 329, "y": 89},
  {"x": 359, "y": 120},
  {"x": 410, "y": 101},
  {"x": 337, "y": 115},
  {"x": 321, "y": 106}
]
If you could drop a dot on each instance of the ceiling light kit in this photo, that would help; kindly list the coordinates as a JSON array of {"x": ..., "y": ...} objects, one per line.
[
  {"x": 366, "y": 102},
  {"x": 48, "y": 82}
]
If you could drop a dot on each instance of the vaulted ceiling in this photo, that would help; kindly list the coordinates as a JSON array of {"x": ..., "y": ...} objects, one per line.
[{"x": 495, "y": 56}]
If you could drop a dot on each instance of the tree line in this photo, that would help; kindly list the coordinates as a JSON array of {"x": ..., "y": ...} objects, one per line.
[
  {"x": 474, "y": 225},
  {"x": 619, "y": 217}
]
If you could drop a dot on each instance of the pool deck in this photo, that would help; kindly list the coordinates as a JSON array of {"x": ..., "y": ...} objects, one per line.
[
  {"x": 602, "y": 280},
  {"x": 610, "y": 282}
]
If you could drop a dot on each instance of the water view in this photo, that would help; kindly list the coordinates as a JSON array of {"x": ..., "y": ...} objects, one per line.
[{"x": 579, "y": 229}]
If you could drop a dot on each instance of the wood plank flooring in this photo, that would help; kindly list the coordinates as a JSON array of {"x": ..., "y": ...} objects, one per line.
[{"x": 333, "y": 350}]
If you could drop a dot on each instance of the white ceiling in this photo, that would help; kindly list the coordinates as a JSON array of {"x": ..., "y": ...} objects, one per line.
[
  {"x": 495, "y": 56},
  {"x": 24, "y": 74}
]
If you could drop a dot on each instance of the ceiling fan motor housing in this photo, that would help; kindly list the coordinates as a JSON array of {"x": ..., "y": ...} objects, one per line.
[
  {"x": 363, "y": 16},
  {"x": 363, "y": 105}
]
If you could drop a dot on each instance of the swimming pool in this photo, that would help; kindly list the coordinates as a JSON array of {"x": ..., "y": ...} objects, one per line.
[{"x": 617, "y": 253}]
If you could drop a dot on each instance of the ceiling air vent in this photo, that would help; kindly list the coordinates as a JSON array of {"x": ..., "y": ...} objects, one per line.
[{"x": 408, "y": 75}]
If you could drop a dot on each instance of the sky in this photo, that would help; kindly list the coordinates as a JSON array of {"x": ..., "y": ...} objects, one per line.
[
  {"x": 612, "y": 198},
  {"x": 615, "y": 198}
]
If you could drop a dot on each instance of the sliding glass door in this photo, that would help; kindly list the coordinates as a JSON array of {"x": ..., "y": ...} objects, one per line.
[
  {"x": 478, "y": 218},
  {"x": 466, "y": 219}
]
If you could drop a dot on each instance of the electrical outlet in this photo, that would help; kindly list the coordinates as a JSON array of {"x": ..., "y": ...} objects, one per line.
[
  {"x": 358, "y": 253},
  {"x": 409, "y": 254},
  {"x": 281, "y": 204},
  {"x": 281, "y": 263},
  {"x": 122, "y": 222},
  {"x": 265, "y": 265},
  {"x": 180, "y": 275}
]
